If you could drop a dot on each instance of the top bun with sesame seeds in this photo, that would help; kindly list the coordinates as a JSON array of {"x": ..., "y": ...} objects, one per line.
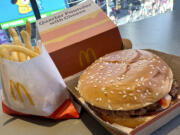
[{"x": 125, "y": 80}]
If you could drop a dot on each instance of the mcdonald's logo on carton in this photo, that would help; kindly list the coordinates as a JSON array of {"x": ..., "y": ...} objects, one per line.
[
  {"x": 77, "y": 36},
  {"x": 20, "y": 90},
  {"x": 86, "y": 54}
]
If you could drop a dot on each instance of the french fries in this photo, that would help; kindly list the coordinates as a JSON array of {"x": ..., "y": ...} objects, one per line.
[
  {"x": 37, "y": 49},
  {"x": 21, "y": 49},
  {"x": 17, "y": 40},
  {"x": 27, "y": 39},
  {"x": 4, "y": 53},
  {"x": 18, "y": 51},
  {"x": 28, "y": 28}
]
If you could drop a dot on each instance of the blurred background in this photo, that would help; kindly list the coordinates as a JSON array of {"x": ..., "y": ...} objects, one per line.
[{"x": 119, "y": 11}]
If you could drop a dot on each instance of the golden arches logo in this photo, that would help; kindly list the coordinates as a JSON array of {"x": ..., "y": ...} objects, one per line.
[
  {"x": 18, "y": 86},
  {"x": 86, "y": 55}
]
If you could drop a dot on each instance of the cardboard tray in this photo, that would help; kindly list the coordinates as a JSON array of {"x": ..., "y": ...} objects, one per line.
[{"x": 159, "y": 120}]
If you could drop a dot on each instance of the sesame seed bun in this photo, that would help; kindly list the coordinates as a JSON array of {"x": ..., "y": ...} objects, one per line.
[
  {"x": 125, "y": 80},
  {"x": 131, "y": 122}
]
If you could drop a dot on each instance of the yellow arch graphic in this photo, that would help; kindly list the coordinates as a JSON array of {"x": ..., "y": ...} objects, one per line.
[
  {"x": 91, "y": 15},
  {"x": 60, "y": 39},
  {"x": 86, "y": 55},
  {"x": 17, "y": 87}
]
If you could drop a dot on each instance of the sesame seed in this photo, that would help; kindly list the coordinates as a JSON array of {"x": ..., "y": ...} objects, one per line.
[
  {"x": 156, "y": 94},
  {"x": 101, "y": 67},
  {"x": 91, "y": 77},
  {"x": 104, "y": 78},
  {"x": 120, "y": 108},
  {"x": 117, "y": 86},
  {"x": 131, "y": 94},
  {"x": 119, "y": 92},
  {"x": 118, "y": 78},
  {"x": 138, "y": 90},
  {"x": 124, "y": 96},
  {"x": 151, "y": 72},
  {"x": 103, "y": 89},
  {"x": 112, "y": 92},
  {"x": 150, "y": 83},
  {"x": 162, "y": 87},
  {"x": 128, "y": 104},
  {"x": 98, "y": 99},
  {"x": 124, "y": 92},
  {"x": 105, "y": 92},
  {"x": 99, "y": 81},
  {"x": 147, "y": 91},
  {"x": 123, "y": 75},
  {"x": 76, "y": 88},
  {"x": 111, "y": 81},
  {"x": 163, "y": 81},
  {"x": 137, "y": 80},
  {"x": 106, "y": 63},
  {"x": 138, "y": 84},
  {"x": 106, "y": 82},
  {"x": 108, "y": 74},
  {"x": 159, "y": 61},
  {"x": 145, "y": 94},
  {"x": 135, "y": 97},
  {"x": 118, "y": 69},
  {"x": 142, "y": 78},
  {"x": 109, "y": 106},
  {"x": 88, "y": 73},
  {"x": 128, "y": 88},
  {"x": 95, "y": 86}
]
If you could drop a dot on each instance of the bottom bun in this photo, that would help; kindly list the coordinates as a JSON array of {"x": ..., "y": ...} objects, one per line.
[{"x": 131, "y": 122}]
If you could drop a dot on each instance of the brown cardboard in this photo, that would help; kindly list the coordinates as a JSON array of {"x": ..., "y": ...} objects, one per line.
[
  {"x": 77, "y": 36},
  {"x": 146, "y": 128}
]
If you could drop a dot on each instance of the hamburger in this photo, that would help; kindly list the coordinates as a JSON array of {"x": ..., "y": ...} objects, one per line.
[{"x": 128, "y": 87}]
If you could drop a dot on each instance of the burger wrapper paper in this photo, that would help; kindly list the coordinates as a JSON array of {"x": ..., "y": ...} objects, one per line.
[
  {"x": 35, "y": 87},
  {"x": 148, "y": 127}
]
